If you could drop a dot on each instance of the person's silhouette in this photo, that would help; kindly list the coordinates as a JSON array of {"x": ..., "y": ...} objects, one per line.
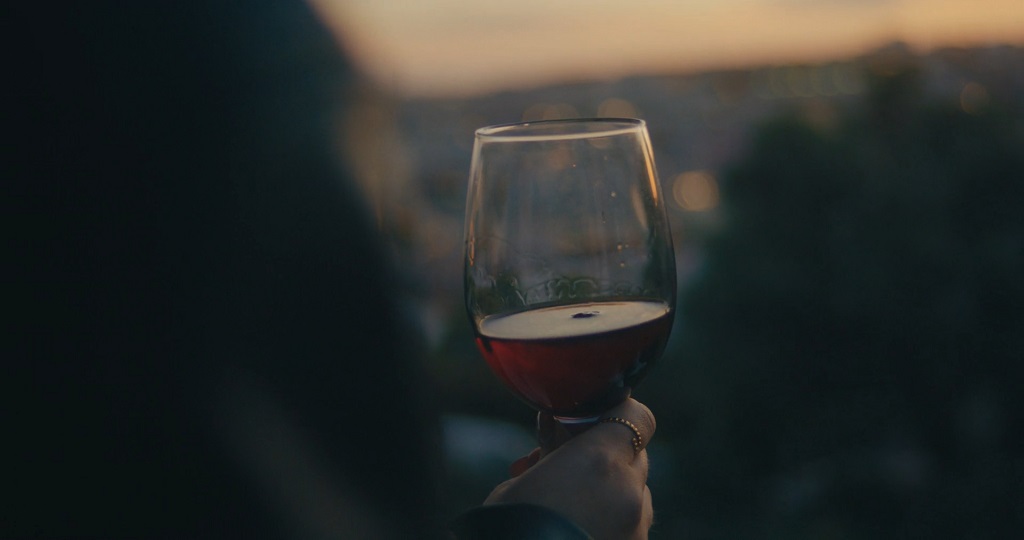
[{"x": 203, "y": 342}]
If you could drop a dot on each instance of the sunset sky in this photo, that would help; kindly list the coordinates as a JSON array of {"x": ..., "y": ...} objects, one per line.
[{"x": 459, "y": 47}]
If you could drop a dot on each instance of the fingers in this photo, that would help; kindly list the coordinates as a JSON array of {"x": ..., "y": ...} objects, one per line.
[
  {"x": 639, "y": 415},
  {"x": 596, "y": 478},
  {"x": 524, "y": 463},
  {"x": 647, "y": 516},
  {"x": 631, "y": 422},
  {"x": 630, "y": 414}
]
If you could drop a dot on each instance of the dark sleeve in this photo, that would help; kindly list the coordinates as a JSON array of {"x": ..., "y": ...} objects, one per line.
[{"x": 515, "y": 522}]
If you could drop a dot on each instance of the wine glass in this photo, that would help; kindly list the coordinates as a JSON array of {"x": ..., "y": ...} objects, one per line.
[{"x": 570, "y": 276}]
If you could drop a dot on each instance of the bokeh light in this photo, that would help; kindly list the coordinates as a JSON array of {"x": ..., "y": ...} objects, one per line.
[
  {"x": 696, "y": 191},
  {"x": 973, "y": 98}
]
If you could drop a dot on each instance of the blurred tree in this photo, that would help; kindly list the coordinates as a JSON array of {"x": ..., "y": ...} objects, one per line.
[{"x": 852, "y": 349}]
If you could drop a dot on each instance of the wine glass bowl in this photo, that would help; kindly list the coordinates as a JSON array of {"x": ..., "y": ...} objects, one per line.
[{"x": 569, "y": 268}]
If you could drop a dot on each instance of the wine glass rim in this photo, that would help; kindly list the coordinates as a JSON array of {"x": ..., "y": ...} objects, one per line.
[{"x": 560, "y": 129}]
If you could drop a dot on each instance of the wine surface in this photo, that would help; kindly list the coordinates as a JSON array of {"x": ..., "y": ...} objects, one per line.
[{"x": 575, "y": 360}]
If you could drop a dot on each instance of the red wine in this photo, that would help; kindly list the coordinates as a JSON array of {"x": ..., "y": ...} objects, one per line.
[{"x": 575, "y": 360}]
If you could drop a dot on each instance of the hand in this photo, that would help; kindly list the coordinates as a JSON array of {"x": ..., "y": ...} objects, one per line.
[{"x": 593, "y": 478}]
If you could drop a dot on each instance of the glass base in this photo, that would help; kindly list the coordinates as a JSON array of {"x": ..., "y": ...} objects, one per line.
[
  {"x": 572, "y": 421},
  {"x": 575, "y": 426}
]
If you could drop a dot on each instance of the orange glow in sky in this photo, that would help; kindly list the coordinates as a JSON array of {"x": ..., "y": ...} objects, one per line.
[{"x": 459, "y": 47}]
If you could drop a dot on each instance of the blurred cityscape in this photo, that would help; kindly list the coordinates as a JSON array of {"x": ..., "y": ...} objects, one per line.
[
  {"x": 415, "y": 176},
  {"x": 848, "y": 350}
]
